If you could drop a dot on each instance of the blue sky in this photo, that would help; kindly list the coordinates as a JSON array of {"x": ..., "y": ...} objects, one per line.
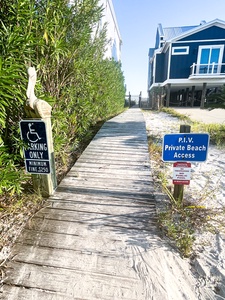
[{"x": 138, "y": 20}]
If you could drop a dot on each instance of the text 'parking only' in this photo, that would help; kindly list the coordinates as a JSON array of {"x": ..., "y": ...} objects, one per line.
[{"x": 33, "y": 133}]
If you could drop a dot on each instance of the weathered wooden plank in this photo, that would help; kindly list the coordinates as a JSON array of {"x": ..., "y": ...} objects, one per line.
[
  {"x": 114, "y": 194},
  {"x": 139, "y": 159},
  {"x": 124, "y": 141},
  {"x": 66, "y": 241},
  {"x": 103, "y": 208},
  {"x": 115, "y": 180},
  {"x": 67, "y": 227},
  {"x": 107, "y": 146},
  {"x": 103, "y": 187},
  {"x": 124, "y": 177},
  {"x": 143, "y": 146},
  {"x": 69, "y": 192},
  {"x": 122, "y": 160},
  {"x": 104, "y": 143},
  {"x": 72, "y": 283},
  {"x": 134, "y": 213},
  {"x": 99, "y": 204},
  {"x": 141, "y": 220},
  {"x": 21, "y": 293},
  {"x": 87, "y": 260},
  {"x": 101, "y": 164},
  {"x": 131, "y": 154},
  {"x": 125, "y": 172},
  {"x": 114, "y": 158},
  {"x": 85, "y": 195}
]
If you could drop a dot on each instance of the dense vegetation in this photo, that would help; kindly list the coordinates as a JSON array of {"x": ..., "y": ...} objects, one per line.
[
  {"x": 64, "y": 43},
  {"x": 216, "y": 99}
]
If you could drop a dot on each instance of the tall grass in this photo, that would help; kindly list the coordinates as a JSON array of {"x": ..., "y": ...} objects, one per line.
[{"x": 216, "y": 131}]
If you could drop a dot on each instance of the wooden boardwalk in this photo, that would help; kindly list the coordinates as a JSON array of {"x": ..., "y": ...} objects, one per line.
[{"x": 89, "y": 242}]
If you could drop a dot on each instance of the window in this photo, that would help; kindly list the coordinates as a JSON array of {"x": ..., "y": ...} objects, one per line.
[
  {"x": 210, "y": 59},
  {"x": 180, "y": 50}
]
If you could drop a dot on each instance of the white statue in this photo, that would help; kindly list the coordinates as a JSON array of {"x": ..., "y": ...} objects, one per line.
[{"x": 36, "y": 108}]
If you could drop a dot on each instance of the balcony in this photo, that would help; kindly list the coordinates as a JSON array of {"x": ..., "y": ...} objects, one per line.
[{"x": 213, "y": 70}]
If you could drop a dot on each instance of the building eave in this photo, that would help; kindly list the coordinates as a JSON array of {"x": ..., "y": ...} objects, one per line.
[
  {"x": 199, "y": 28},
  {"x": 177, "y": 84}
]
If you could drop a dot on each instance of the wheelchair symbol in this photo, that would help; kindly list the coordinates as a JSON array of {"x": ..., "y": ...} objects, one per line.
[{"x": 32, "y": 135}]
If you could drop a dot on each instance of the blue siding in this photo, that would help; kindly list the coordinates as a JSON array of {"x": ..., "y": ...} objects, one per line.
[
  {"x": 167, "y": 57},
  {"x": 160, "y": 67},
  {"x": 150, "y": 75},
  {"x": 211, "y": 33},
  {"x": 150, "y": 66},
  {"x": 157, "y": 40},
  {"x": 180, "y": 64}
]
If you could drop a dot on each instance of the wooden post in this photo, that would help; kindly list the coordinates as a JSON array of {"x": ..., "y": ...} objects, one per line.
[
  {"x": 178, "y": 192},
  {"x": 129, "y": 99},
  {"x": 45, "y": 184},
  {"x": 163, "y": 95},
  {"x": 168, "y": 95},
  {"x": 149, "y": 99},
  {"x": 183, "y": 97},
  {"x": 160, "y": 98},
  {"x": 186, "y": 96},
  {"x": 139, "y": 102},
  {"x": 153, "y": 98},
  {"x": 192, "y": 95},
  {"x": 203, "y": 95}
]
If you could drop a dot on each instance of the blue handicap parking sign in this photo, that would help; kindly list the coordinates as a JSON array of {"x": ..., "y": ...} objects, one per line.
[{"x": 33, "y": 134}]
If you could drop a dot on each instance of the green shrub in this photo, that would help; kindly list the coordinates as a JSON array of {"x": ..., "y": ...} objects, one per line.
[{"x": 67, "y": 48}]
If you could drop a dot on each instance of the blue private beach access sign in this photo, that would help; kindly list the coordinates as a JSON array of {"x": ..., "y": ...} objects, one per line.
[{"x": 185, "y": 147}]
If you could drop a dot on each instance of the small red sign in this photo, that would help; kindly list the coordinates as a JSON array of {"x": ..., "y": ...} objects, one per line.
[{"x": 181, "y": 173}]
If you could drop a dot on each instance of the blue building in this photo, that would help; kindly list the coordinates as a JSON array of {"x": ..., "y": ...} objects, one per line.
[{"x": 187, "y": 64}]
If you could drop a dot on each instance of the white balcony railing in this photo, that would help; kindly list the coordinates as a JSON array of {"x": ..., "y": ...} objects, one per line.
[{"x": 202, "y": 70}]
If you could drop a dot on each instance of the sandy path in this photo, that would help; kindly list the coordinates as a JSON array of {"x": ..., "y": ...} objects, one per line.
[
  {"x": 206, "y": 189},
  {"x": 206, "y": 116}
]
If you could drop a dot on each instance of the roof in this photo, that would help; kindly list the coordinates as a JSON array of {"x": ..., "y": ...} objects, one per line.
[
  {"x": 151, "y": 52},
  {"x": 203, "y": 25},
  {"x": 172, "y": 32},
  {"x": 167, "y": 35}
]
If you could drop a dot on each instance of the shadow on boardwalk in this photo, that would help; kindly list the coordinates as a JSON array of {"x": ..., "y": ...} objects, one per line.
[{"x": 98, "y": 238}]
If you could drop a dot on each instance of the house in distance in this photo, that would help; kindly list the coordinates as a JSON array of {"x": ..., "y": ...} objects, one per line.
[
  {"x": 187, "y": 64},
  {"x": 108, "y": 19}
]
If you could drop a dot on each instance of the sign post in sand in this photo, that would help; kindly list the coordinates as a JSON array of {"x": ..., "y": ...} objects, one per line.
[
  {"x": 183, "y": 148},
  {"x": 36, "y": 132}
]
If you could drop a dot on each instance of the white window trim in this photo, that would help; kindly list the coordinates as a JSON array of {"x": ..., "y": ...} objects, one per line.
[
  {"x": 210, "y": 47},
  {"x": 186, "y": 48}
]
